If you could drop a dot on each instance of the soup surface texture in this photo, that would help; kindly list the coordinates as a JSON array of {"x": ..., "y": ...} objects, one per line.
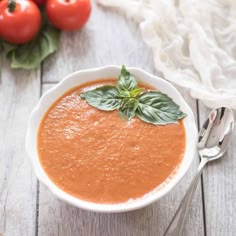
[{"x": 99, "y": 157}]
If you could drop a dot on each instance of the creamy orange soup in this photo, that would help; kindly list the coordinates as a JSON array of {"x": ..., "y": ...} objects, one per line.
[{"x": 99, "y": 157}]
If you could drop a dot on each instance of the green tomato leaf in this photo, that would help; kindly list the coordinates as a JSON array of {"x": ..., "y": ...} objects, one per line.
[
  {"x": 157, "y": 108},
  {"x": 126, "y": 81},
  {"x": 104, "y": 98},
  {"x": 128, "y": 108},
  {"x": 30, "y": 55}
]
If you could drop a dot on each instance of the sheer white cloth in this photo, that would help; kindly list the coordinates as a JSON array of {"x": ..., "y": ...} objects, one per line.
[{"x": 193, "y": 43}]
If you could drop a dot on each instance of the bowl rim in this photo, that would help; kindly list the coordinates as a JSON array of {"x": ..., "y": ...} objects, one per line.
[{"x": 31, "y": 149}]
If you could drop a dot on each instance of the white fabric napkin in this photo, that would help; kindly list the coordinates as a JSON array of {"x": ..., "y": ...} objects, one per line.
[{"x": 193, "y": 43}]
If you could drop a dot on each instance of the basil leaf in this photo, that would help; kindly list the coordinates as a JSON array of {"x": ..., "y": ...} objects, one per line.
[
  {"x": 128, "y": 108},
  {"x": 126, "y": 81},
  {"x": 135, "y": 92},
  {"x": 104, "y": 98},
  {"x": 157, "y": 108},
  {"x": 30, "y": 55},
  {"x": 130, "y": 94},
  {"x": 124, "y": 94},
  {"x": 8, "y": 47}
]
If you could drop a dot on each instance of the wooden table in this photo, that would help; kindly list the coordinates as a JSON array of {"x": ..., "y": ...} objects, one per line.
[{"x": 27, "y": 208}]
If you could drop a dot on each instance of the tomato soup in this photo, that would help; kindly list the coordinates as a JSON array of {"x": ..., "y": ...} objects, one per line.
[{"x": 100, "y": 157}]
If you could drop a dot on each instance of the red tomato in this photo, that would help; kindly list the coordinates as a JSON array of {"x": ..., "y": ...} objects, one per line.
[
  {"x": 68, "y": 14},
  {"x": 40, "y": 2},
  {"x": 20, "y": 23}
]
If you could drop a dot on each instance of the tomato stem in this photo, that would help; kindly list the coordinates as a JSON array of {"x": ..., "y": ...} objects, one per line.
[{"x": 11, "y": 5}]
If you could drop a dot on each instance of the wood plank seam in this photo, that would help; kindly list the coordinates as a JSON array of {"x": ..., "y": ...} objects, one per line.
[
  {"x": 201, "y": 181},
  {"x": 19, "y": 93},
  {"x": 37, "y": 183},
  {"x": 37, "y": 209}
]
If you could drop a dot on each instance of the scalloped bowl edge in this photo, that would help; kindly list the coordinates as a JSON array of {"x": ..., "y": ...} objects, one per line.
[{"x": 112, "y": 71}]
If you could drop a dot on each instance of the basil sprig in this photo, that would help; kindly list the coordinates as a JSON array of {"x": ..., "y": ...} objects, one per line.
[{"x": 152, "y": 106}]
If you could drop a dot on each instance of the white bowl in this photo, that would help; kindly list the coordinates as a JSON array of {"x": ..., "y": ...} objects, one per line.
[{"x": 81, "y": 77}]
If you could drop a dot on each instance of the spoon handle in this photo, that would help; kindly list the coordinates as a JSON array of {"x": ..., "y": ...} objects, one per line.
[{"x": 176, "y": 226}]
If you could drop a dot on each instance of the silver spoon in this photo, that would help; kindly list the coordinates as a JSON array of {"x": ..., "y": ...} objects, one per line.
[{"x": 213, "y": 141}]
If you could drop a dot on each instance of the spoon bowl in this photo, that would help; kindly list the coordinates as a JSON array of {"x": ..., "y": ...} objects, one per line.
[
  {"x": 213, "y": 141},
  {"x": 215, "y": 134}
]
